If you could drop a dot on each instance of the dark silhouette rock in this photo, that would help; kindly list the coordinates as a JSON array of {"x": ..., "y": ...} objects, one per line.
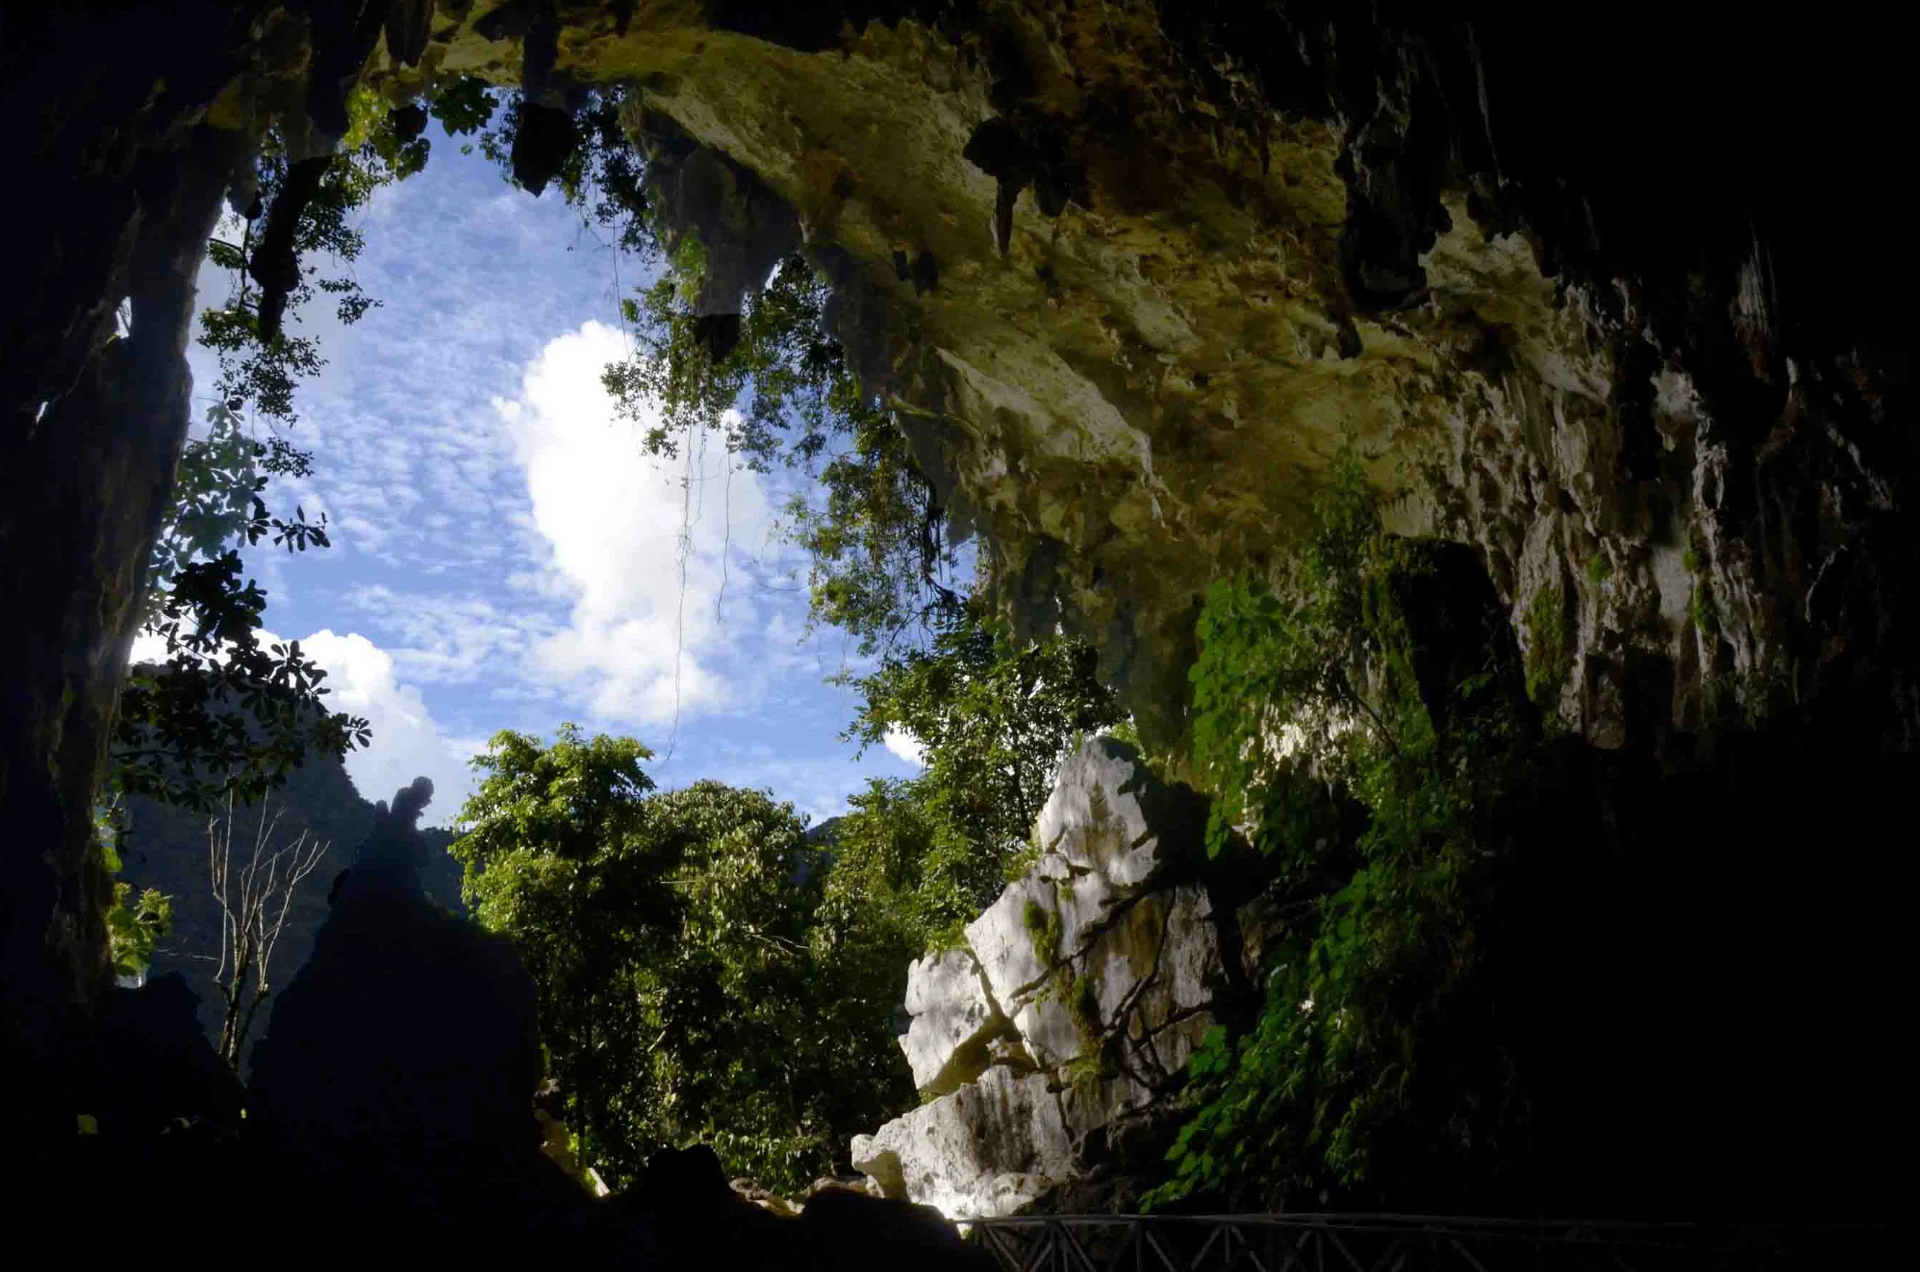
[
  {"x": 399, "y": 1075},
  {"x": 166, "y": 848},
  {"x": 694, "y": 1218},
  {"x": 407, "y": 27},
  {"x": 155, "y": 1066},
  {"x": 541, "y": 145},
  {"x": 853, "y": 1232},
  {"x": 686, "y": 1179}
]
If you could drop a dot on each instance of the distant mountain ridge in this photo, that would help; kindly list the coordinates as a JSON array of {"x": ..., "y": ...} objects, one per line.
[{"x": 166, "y": 848}]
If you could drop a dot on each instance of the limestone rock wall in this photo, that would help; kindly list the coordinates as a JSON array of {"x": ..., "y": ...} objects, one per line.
[
  {"x": 1162, "y": 262},
  {"x": 1068, "y": 1017}
]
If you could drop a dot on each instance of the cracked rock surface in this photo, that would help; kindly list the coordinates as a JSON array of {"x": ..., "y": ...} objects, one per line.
[{"x": 1080, "y": 995}]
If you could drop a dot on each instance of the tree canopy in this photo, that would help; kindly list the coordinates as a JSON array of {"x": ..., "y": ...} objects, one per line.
[
  {"x": 692, "y": 985},
  {"x": 993, "y": 719}
]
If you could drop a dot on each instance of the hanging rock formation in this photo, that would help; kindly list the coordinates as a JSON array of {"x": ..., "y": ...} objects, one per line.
[{"x": 1167, "y": 260}]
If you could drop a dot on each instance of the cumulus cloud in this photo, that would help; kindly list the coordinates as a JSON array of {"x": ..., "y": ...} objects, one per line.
[
  {"x": 614, "y": 523},
  {"x": 905, "y": 746},
  {"x": 407, "y": 742}
]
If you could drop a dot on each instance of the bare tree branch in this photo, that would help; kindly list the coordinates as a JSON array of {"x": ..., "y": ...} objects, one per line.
[{"x": 255, "y": 904}]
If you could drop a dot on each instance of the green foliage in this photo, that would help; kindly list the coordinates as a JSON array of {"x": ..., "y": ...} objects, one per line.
[
  {"x": 463, "y": 105},
  {"x": 1549, "y": 662},
  {"x": 1086, "y": 1071},
  {"x": 215, "y": 497},
  {"x": 694, "y": 982},
  {"x": 1319, "y": 664},
  {"x": 994, "y": 718},
  {"x": 1705, "y": 614},
  {"x": 1312, "y": 731},
  {"x": 138, "y": 918},
  {"x": 1083, "y": 1005},
  {"x": 1043, "y": 929},
  {"x": 135, "y": 923},
  {"x": 1599, "y": 569},
  {"x": 896, "y": 855},
  {"x": 220, "y": 711},
  {"x": 881, "y": 566}
]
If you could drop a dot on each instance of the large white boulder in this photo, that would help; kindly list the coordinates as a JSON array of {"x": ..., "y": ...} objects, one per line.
[
  {"x": 955, "y": 1021},
  {"x": 1085, "y": 945},
  {"x": 1097, "y": 847},
  {"x": 1140, "y": 988},
  {"x": 990, "y": 1148},
  {"x": 1085, "y": 989}
]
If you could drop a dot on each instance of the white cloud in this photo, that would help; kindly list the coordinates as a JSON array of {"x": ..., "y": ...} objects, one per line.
[
  {"x": 611, "y": 520},
  {"x": 905, "y": 746},
  {"x": 407, "y": 743},
  {"x": 449, "y": 638}
]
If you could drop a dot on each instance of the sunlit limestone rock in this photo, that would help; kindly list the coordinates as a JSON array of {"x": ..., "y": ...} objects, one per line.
[
  {"x": 1096, "y": 847},
  {"x": 1084, "y": 990},
  {"x": 955, "y": 1022},
  {"x": 1081, "y": 947},
  {"x": 992, "y": 1147}
]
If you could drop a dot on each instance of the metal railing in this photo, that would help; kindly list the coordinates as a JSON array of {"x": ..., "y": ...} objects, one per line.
[{"x": 1411, "y": 1243}]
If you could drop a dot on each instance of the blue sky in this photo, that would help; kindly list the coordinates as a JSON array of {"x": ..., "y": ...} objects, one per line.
[{"x": 503, "y": 554}]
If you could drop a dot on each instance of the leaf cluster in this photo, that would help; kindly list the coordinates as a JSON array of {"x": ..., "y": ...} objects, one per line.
[
  {"x": 779, "y": 392},
  {"x": 138, "y": 920},
  {"x": 263, "y": 372},
  {"x": 221, "y": 711},
  {"x": 1379, "y": 807}
]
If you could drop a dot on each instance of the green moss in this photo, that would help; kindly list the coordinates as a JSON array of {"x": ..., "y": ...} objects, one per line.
[
  {"x": 1706, "y": 615},
  {"x": 1690, "y": 562},
  {"x": 1548, "y": 660},
  {"x": 1083, "y": 1004},
  {"x": 1043, "y": 929},
  {"x": 1599, "y": 569},
  {"x": 1085, "y": 1072},
  {"x": 688, "y": 265}
]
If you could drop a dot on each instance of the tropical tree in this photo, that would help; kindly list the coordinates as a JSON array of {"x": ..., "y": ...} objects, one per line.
[
  {"x": 993, "y": 718},
  {"x": 692, "y": 986}
]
